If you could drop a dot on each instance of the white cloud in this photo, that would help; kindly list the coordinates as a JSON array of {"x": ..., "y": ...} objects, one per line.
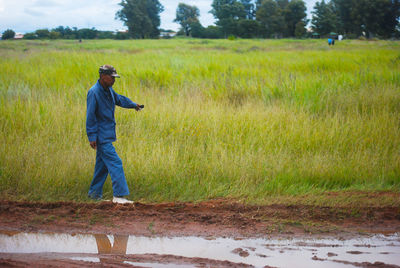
[
  {"x": 33, "y": 12},
  {"x": 44, "y": 3},
  {"x": 30, "y": 15}
]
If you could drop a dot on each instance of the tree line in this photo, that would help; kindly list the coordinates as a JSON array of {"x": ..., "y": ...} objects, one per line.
[
  {"x": 372, "y": 18},
  {"x": 288, "y": 18},
  {"x": 248, "y": 19},
  {"x": 268, "y": 18},
  {"x": 62, "y": 32},
  {"x": 242, "y": 18}
]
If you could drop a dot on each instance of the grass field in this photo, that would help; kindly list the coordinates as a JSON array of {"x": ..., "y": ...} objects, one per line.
[{"x": 253, "y": 120}]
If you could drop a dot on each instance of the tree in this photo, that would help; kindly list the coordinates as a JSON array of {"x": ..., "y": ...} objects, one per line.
[
  {"x": 122, "y": 36},
  {"x": 71, "y": 33},
  {"x": 324, "y": 19},
  {"x": 272, "y": 23},
  {"x": 154, "y": 8},
  {"x": 223, "y": 9},
  {"x": 197, "y": 30},
  {"x": 248, "y": 28},
  {"x": 8, "y": 34},
  {"x": 391, "y": 19},
  {"x": 60, "y": 29},
  {"x": 282, "y": 3},
  {"x": 86, "y": 33},
  {"x": 369, "y": 17},
  {"x": 187, "y": 15},
  {"x": 213, "y": 32},
  {"x": 55, "y": 35},
  {"x": 42, "y": 33},
  {"x": 142, "y": 17},
  {"x": 105, "y": 35},
  {"x": 343, "y": 12},
  {"x": 300, "y": 29},
  {"x": 228, "y": 13},
  {"x": 66, "y": 32},
  {"x": 249, "y": 9},
  {"x": 30, "y": 36},
  {"x": 377, "y": 17},
  {"x": 295, "y": 11}
]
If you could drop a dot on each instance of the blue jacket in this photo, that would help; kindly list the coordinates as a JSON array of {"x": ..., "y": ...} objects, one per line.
[{"x": 100, "y": 120}]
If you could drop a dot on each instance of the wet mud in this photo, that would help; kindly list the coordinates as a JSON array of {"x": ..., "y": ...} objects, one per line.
[{"x": 209, "y": 221}]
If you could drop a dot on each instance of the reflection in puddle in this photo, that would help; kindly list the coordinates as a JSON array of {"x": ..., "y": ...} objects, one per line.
[
  {"x": 104, "y": 245},
  {"x": 258, "y": 252}
]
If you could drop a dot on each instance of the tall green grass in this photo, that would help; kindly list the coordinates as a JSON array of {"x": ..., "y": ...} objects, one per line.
[{"x": 246, "y": 119}]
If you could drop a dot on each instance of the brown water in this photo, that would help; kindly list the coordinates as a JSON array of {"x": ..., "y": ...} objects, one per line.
[{"x": 296, "y": 252}]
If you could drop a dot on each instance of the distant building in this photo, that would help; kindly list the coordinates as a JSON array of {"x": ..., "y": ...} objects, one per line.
[
  {"x": 167, "y": 34},
  {"x": 19, "y": 36}
]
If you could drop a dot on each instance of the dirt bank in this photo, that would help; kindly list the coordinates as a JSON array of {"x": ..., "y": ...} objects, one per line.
[{"x": 207, "y": 219}]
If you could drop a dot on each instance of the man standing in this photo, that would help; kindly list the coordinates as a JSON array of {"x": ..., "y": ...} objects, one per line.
[{"x": 100, "y": 129}]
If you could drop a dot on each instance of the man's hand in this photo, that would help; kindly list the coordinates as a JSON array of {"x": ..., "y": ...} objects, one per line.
[
  {"x": 93, "y": 144},
  {"x": 139, "y": 107}
]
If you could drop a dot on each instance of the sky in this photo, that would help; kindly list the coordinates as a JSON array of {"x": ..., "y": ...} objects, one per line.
[{"x": 24, "y": 16}]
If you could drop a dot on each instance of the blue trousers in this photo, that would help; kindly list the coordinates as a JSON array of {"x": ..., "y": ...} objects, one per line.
[{"x": 108, "y": 161}]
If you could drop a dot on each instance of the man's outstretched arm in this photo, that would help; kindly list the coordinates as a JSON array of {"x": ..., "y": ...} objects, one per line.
[{"x": 125, "y": 102}]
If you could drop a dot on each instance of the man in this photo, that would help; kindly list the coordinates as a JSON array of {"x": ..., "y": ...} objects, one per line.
[{"x": 100, "y": 129}]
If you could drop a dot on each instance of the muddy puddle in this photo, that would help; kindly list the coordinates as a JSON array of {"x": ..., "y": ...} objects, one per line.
[{"x": 377, "y": 250}]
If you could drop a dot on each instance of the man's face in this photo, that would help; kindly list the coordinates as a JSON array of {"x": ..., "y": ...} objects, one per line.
[{"x": 107, "y": 80}]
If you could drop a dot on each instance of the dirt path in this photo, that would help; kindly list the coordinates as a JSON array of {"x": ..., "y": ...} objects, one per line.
[{"x": 206, "y": 219}]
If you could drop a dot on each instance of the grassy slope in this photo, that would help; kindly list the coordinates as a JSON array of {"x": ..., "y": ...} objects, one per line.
[{"x": 251, "y": 119}]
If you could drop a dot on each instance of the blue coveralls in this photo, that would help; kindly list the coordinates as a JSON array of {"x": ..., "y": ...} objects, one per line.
[{"x": 100, "y": 127}]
